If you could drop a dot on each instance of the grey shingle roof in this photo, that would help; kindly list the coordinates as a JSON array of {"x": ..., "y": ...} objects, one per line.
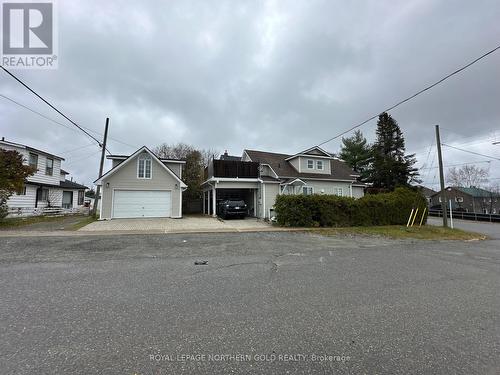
[
  {"x": 340, "y": 170},
  {"x": 71, "y": 185}
]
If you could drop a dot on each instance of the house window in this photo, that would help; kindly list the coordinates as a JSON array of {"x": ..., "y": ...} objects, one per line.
[
  {"x": 310, "y": 164},
  {"x": 307, "y": 190},
  {"x": 81, "y": 194},
  {"x": 42, "y": 195},
  {"x": 319, "y": 165},
  {"x": 459, "y": 199},
  {"x": 49, "y": 167},
  {"x": 339, "y": 192},
  {"x": 33, "y": 160},
  {"x": 144, "y": 166},
  {"x": 21, "y": 191}
]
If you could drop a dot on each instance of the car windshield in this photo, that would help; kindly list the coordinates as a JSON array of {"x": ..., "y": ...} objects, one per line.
[{"x": 236, "y": 203}]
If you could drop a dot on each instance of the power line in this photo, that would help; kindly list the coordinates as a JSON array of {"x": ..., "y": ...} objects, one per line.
[
  {"x": 414, "y": 95},
  {"x": 76, "y": 149},
  {"x": 50, "y": 105},
  {"x": 470, "y": 152},
  {"x": 456, "y": 165},
  {"x": 61, "y": 124},
  {"x": 37, "y": 113}
]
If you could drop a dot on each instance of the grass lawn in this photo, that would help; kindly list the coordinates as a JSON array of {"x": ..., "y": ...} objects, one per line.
[
  {"x": 425, "y": 232},
  {"x": 68, "y": 222},
  {"x": 86, "y": 220}
]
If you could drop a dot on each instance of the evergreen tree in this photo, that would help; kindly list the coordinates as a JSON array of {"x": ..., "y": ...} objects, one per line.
[
  {"x": 356, "y": 152},
  {"x": 390, "y": 167}
]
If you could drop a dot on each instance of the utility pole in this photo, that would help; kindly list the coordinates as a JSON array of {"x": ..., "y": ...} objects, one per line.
[
  {"x": 101, "y": 166},
  {"x": 441, "y": 179}
]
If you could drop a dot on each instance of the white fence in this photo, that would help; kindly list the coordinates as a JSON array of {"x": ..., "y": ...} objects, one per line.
[{"x": 46, "y": 211}]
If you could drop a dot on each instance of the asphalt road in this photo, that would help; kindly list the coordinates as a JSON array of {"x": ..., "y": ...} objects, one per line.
[
  {"x": 270, "y": 303},
  {"x": 490, "y": 229}
]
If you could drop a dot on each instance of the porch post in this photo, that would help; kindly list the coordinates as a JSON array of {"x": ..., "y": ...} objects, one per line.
[
  {"x": 203, "y": 202},
  {"x": 214, "y": 193}
]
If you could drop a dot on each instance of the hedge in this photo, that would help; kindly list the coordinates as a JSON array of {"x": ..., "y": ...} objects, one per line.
[{"x": 333, "y": 211}]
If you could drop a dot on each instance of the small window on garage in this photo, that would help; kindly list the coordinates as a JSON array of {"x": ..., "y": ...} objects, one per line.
[{"x": 144, "y": 165}]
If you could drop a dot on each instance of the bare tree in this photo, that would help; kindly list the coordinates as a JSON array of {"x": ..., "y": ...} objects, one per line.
[
  {"x": 467, "y": 176},
  {"x": 173, "y": 151},
  {"x": 183, "y": 150},
  {"x": 207, "y": 155}
]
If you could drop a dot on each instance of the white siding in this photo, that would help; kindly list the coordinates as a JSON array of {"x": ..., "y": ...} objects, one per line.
[
  {"x": 266, "y": 198},
  {"x": 327, "y": 187},
  {"x": 23, "y": 201},
  {"x": 175, "y": 167},
  {"x": 358, "y": 191},
  {"x": 39, "y": 175}
]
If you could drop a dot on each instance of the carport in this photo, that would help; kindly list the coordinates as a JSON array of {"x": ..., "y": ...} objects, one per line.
[{"x": 217, "y": 191}]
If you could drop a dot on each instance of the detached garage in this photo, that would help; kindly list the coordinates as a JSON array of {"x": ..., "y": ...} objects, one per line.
[
  {"x": 142, "y": 185},
  {"x": 142, "y": 203}
]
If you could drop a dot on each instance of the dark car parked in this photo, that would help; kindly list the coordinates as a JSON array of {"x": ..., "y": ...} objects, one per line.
[{"x": 232, "y": 208}]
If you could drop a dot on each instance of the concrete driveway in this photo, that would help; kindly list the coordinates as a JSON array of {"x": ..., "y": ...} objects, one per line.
[{"x": 184, "y": 225}]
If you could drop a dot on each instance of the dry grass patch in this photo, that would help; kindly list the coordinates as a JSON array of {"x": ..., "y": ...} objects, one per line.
[{"x": 425, "y": 232}]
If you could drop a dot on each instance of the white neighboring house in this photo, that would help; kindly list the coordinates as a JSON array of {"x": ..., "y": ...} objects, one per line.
[
  {"x": 47, "y": 187},
  {"x": 141, "y": 185}
]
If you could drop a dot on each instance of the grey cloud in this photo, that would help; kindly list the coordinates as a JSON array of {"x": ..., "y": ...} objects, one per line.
[{"x": 274, "y": 75}]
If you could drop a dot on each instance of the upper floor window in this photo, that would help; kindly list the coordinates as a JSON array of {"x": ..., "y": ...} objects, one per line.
[
  {"x": 319, "y": 165},
  {"x": 49, "y": 167},
  {"x": 144, "y": 166},
  {"x": 310, "y": 164},
  {"x": 459, "y": 199},
  {"x": 33, "y": 160}
]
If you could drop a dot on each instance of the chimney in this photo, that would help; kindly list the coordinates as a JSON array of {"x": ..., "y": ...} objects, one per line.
[
  {"x": 225, "y": 153},
  {"x": 3, "y": 138}
]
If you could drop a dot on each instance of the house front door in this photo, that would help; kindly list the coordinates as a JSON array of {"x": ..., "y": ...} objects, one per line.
[{"x": 67, "y": 201}]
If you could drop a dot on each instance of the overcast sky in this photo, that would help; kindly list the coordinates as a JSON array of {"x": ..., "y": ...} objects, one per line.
[{"x": 268, "y": 75}]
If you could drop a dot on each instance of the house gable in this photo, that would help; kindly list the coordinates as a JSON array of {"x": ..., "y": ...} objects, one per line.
[{"x": 133, "y": 159}]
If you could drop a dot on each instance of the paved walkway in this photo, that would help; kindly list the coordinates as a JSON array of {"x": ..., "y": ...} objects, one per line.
[{"x": 186, "y": 224}]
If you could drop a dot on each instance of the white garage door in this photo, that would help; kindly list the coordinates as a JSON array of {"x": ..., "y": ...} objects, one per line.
[{"x": 141, "y": 203}]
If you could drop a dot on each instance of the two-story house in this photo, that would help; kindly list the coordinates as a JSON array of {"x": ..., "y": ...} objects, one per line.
[
  {"x": 47, "y": 187},
  {"x": 258, "y": 177},
  {"x": 141, "y": 185},
  {"x": 468, "y": 199}
]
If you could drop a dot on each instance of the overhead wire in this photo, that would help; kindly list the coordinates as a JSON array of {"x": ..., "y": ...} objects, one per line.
[{"x": 414, "y": 95}]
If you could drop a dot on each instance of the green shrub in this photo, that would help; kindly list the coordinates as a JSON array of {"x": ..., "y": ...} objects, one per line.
[{"x": 333, "y": 211}]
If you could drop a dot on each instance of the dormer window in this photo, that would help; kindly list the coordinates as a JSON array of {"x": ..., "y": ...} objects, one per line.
[
  {"x": 310, "y": 164},
  {"x": 319, "y": 165},
  {"x": 144, "y": 166}
]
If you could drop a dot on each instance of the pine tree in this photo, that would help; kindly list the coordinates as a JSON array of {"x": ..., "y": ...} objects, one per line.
[
  {"x": 356, "y": 152},
  {"x": 390, "y": 167}
]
